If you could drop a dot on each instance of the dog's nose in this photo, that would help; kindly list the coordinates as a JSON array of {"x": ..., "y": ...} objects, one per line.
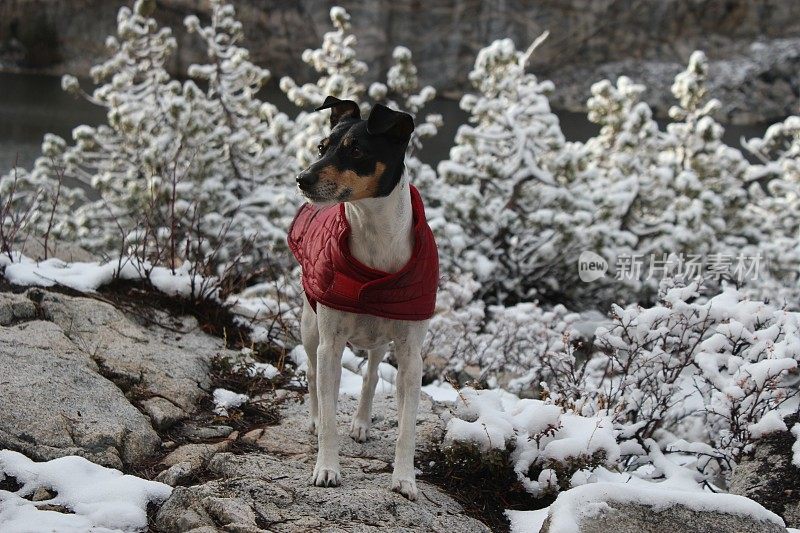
[{"x": 306, "y": 179}]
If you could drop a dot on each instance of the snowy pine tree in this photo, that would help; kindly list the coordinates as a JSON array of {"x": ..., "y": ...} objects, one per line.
[
  {"x": 708, "y": 175},
  {"x": 774, "y": 193},
  {"x": 508, "y": 185}
]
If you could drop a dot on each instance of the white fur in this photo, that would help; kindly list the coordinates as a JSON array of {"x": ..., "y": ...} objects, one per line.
[{"x": 382, "y": 238}]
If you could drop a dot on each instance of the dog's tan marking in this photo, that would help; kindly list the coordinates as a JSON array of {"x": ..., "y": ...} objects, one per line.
[{"x": 360, "y": 187}]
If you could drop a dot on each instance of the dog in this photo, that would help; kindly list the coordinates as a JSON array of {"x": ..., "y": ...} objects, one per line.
[{"x": 370, "y": 274}]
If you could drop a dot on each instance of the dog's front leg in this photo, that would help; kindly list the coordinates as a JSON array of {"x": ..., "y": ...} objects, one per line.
[
  {"x": 329, "y": 375},
  {"x": 309, "y": 332},
  {"x": 409, "y": 381},
  {"x": 363, "y": 417}
]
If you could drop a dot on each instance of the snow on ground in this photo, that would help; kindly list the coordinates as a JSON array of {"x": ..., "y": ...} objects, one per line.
[
  {"x": 769, "y": 423},
  {"x": 526, "y": 521},
  {"x": 441, "y": 391},
  {"x": 225, "y": 399},
  {"x": 88, "y": 277},
  {"x": 354, "y": 368},
  {"x": 102, "y": 499},
  {"x": 263, "y": 369}
]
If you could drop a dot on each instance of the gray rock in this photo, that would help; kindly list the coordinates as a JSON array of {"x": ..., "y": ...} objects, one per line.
[
  {"x": 770, "y": 478},
  {"x": 55, "y": 403},
  {"x": 195, "y": 453},
  {"x": 755, "y": 85},
  {"x": 291, "y": 437},
  {"x": 16, "y": 308},
  {"x": 196, "y": 433},
  {"x": 278, "y": 494},
  {"x": 188, "y": 461},
  {"x": 66, "y": 251},
  {"x": 68, "y": 382},
  {"x": 619, "y": 513},
  {"x": 157, "y": 361},
  {"x": 270, "y": 490},
  {"x": 178, "y": 474},
  {"x": 162, "y": 412}
]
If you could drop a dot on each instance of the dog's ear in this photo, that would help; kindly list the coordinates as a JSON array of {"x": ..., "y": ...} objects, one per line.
[
  {"x": 384, "y": 121},
  {"x": 340, "y": 109}
]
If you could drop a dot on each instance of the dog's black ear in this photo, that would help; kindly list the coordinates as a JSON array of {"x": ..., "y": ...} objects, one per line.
[
  {"x": 396, "y": 124},
  {"x": 340, "y": 109}
]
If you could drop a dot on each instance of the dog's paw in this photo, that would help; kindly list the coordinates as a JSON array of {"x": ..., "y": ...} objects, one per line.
[
  {"x": 326, "y": 476},
  {"x": 359, "y": 430},
  {"x": 406, "y": 487},
  {"x": 312, "y": 426}
]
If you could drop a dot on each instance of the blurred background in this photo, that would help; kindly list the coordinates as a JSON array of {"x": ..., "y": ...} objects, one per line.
[{"x": 753, "y": 46}]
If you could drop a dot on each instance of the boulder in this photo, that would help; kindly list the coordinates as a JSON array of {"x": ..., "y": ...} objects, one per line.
[
  {"x": 75, "y": 369},
  {"x": 15, "y": 308},
  {"x": 291, "y": 437},
  {"x": 54, "y": 402},
  {"x": 168, "y": 366},
  {"x": 259, "y": 492},
  {"x": 606, "y": 507},
  {"x": 769, "y": 477}
]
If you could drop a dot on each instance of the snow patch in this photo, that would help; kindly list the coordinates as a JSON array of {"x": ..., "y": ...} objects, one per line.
[
  {"x": 225, "y": 399},
  {"x": 526, "y": 521},
  {"x": 581, "y": 502},
  {"x": 88, "y": 277},
  {"x": 770, "y": 423},
  {"x": 354, "y": 368},
  {"x": 103, "y": 499}
]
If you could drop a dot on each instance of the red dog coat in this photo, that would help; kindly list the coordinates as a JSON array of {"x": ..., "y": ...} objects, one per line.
[{"x": 318, "y": 239}]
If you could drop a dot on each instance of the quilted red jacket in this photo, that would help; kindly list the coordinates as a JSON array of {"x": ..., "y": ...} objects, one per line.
[{"x": 318, "y": 239}]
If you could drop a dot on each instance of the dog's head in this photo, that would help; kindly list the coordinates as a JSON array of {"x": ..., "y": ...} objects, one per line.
[{"x": 360, "y": 158}]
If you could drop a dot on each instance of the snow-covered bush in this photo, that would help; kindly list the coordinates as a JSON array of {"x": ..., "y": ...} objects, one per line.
[
  {"x": 183, "y": 173},
  {"x": 774, "y": 189},
  {"x": 37, "y": 205},
  {"x": 506, "y": 344},
  {"x": 711, "y": 372},
  {"x": 548, "y": 447},
  {"x": 514, "y": 221},
  {"x": 657, "y": 194}
]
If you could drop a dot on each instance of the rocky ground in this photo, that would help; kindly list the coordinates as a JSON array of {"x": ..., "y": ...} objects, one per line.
[
  {"x": 81, "y": 377},
  {"x": 130, "y": 389}
]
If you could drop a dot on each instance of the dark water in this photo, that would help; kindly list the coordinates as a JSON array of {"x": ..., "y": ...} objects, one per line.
[{"x": 32, "y": 105}]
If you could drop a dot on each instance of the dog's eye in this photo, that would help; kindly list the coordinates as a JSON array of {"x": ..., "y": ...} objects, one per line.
[
  {"x": 356, "y": 152},
  {"x": 321, "y": 148}
]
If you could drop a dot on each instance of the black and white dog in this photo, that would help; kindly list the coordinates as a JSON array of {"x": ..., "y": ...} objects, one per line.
[{"x": 370, "y": 271}]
